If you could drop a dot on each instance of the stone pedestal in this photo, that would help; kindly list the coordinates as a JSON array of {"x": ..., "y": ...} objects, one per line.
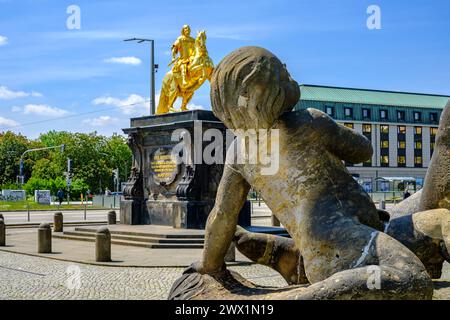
[
  {"x": 44, "y": 238},
  {"x": 103, "y": 245},
  {"x": 112, "y": 217},
  {"x": 163, "y": 192},
  {"x": 58, "y": 222}
]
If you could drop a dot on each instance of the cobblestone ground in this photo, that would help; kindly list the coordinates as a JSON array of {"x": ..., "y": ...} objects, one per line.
[{"x": 26, "y": 277}]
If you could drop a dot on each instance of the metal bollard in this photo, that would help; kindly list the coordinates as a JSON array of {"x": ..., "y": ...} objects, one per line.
[
  {"x": 112, "y": 217},
  {"x": 58, "y": 222},
  {"x": 44, "y": 238},
  {"x": 231, "y": 253},
  {"x": 103, "y": 245},
  {"x": 275, "y": 221},
  {"x": 2, "y": 232},
  {"x": 382, "y": 205}
]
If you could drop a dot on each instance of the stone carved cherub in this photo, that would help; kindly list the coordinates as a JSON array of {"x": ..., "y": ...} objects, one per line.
[{"x": 337, "y": 241}]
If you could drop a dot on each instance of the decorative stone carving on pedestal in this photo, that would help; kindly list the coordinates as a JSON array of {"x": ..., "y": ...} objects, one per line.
[{"x": 163, "y": 192}]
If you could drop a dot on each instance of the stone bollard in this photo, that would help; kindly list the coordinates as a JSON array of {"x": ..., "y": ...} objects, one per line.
[
  {"x": 2, "y": 232},
  {"x": 112, "y": 218},
  {"x": 58, "y": 225},
  {"x": 44, "y": 238},
  {"x": 103, "y": 245},
  {"x": 231, "y": 253},
  {"x": 382, "y": 205},
  {"x": 275, "y": 221}
]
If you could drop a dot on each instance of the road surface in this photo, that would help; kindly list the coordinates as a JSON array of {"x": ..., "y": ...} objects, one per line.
[{"x": 14, "y": 217}]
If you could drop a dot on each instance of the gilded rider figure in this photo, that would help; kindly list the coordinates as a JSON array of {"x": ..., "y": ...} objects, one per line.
[
  {"x": 185, "y": 47},
  {"x": 191, "y": 68}
]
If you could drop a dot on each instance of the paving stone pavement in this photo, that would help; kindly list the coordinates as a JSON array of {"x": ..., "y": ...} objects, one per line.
[{"x": 27, "y": 277}]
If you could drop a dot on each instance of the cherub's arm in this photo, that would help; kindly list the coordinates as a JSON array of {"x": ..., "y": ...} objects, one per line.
[
  {"x": 346, "y": 143},
  {"x": 222, "y": 221}
]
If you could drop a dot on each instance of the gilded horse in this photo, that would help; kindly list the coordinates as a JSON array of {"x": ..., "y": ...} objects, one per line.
[{"x": 199, "y": 69}]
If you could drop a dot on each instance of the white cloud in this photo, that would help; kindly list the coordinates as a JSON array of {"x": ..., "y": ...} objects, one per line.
[
  {"x": 138, "y": 105},
  {"x": 190, "y": 106},
  {"x": 134, "y": 104},
  {"x": 3, "y": 40},
  {"x": 36, "y": 94},
  {"x": 193, "y": 106},
  {"x": 4, "y": 122},
  {"x": 124, "y": 60},
  {"x": 16, "y": 109},
  {"x": 7, "y": 94},
  {"x": 44, "y": 110},
  {"x": 101, "y": 121}
]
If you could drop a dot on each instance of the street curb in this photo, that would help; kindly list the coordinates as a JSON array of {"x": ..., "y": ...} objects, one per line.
[
  {"x": 68, "y": 224},
  {"x": 110, "y": 264}
]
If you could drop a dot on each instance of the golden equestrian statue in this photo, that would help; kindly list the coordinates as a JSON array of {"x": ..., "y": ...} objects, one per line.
[{"x": 190, "y": 69}]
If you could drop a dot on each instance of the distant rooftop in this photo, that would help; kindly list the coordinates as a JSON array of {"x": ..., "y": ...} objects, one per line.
[{"x": 375, "y": 97}]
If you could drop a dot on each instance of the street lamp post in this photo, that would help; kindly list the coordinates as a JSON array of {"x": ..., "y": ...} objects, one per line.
[
  {"x": 152, "y": 71},
  {"x": 62, "y": 146}
]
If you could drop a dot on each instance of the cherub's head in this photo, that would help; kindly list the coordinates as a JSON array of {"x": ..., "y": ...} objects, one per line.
[{"x": 251, "y": 89}]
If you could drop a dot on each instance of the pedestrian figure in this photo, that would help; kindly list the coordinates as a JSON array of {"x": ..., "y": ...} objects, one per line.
[{"x": 60, "y": 196}]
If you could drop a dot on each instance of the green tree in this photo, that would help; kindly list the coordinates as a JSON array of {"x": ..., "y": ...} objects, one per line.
[{"x": 12, "y": 146}]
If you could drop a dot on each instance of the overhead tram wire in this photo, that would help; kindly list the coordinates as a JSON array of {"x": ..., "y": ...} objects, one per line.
[{"x": 70, "y": 116}]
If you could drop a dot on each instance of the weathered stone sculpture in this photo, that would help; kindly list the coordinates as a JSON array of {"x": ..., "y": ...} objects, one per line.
[
  {"x": 425, "y": 233},
  {"x": 332, "y": 221}
]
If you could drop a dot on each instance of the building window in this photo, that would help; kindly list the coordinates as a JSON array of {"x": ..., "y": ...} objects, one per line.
[
  {"x": 433, "y": 131},
  {"x": 384, "y": 161},
  {"x": 383, "y": 114},
  {"x": 330, "y": 111},
  {"x": 384, "y": 129},
  {"x": 400, "y": 115},
  {"x": 417, "y": 116},
  {"x": 367, "y": 128},
  {"x": 366, "y": 113},
  {"x": 402, "y": 144},
  {"x": 384, "y": 144},
  {"x": 417, "y": 130},
  {"x": 433, "y": 117},
  {"x": 349, "y": 125},
  {"x": 417, "y": 161},
  {"x": 401, "y": 160},
  {"x": 418, "y": 145},
  {"x": 401, "y": 129},
  {"x": 348, "y": 112}
]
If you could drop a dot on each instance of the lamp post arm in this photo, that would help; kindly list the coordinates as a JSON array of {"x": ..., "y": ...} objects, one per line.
[{"x": 32, "y": 150}]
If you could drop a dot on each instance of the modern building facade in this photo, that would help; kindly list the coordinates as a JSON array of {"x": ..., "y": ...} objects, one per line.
[{"x": 402, "y": 127}]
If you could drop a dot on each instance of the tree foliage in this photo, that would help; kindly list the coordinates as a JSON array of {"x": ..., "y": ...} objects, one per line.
[{"x": 93, "y": 156}]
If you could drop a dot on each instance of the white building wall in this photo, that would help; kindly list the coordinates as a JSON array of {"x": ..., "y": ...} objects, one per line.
[
  {"x": 409, "y": 146},
  {"x": 377, "y": 145},
  {"x": 426, "y": 146},
  {"x": 392, "y": 146},
  {"x": 358, "y": 128},
  {"x": 374, "y": 145}
]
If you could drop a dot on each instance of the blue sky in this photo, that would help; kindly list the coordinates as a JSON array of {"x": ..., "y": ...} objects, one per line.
[{"x": 79, "y": 80}]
